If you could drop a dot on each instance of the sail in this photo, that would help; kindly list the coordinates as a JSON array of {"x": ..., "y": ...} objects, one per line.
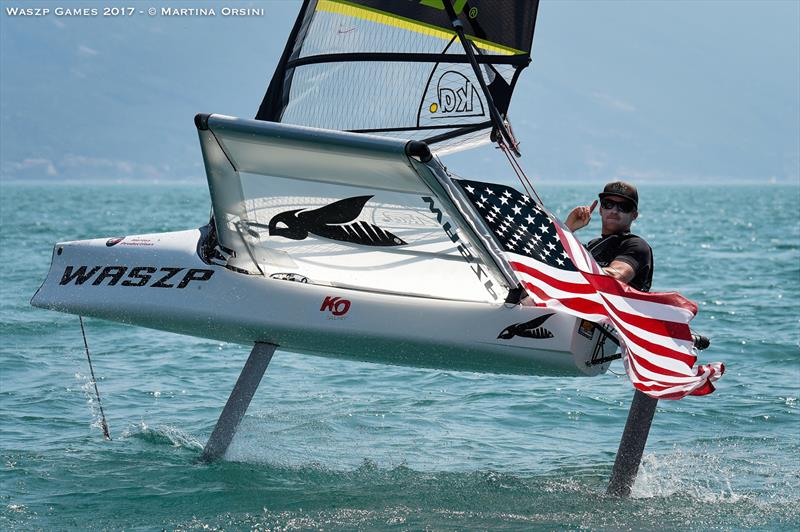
[
  {"x": 342, "y": 210},
  {"x": 398, "y": 69}
]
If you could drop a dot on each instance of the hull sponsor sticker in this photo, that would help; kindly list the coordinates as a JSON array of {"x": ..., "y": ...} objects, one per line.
[
  {"x": 295, "y": 277},
  {"x": 337, "y": 307},
  {"x": 138, "y": 242},
  {"x": 134, "y": 276},
  {"x": 586, "y": 328},
  {"x": 528, "y": 329},
  {"x": 133, "y": 241}
]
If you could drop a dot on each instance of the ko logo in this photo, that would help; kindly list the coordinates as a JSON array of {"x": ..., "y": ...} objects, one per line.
[{"x": 335, "y": 305}]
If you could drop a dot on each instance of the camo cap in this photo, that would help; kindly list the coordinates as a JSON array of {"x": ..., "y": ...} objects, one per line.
[{"x": 622, "y": 189}]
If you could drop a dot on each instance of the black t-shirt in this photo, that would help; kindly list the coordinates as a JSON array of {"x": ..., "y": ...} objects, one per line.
[{"x": 630, "y": 249}]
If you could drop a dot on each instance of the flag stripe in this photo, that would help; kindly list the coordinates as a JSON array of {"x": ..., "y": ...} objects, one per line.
[
  {"x": 576, "y": 282},
  {"x": 662, "y": 361},
  {"x": 606, "y": 283},
  {"x": 549, "y": 302},
  {"x": 556, "y": 273},
  {"x": 654, "y": 330},
  {"x": 661, "y": 390},
  {"x": 659, "y": 349},
  {"x": 649, "y": 304},
  {"x": 565, "y": 286},
  {"x": 649, "y": 310},
  {"x": 556, "y": 289}
]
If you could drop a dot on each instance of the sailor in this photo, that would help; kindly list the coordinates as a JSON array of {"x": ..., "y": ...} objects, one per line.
[{"x": 621, "y": 254}]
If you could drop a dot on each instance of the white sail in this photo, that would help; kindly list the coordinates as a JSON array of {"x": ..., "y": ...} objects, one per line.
[{"x": 341, "y": 209}]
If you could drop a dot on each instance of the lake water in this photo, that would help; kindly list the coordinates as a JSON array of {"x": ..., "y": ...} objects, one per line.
[{"x": 330, "y": 444}]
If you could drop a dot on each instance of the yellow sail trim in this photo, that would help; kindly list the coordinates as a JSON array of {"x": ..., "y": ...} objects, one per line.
[{"x": 341, "y": 7}]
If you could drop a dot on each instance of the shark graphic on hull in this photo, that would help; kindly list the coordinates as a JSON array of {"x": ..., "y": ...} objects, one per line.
[{"x": 529, "y": 329}]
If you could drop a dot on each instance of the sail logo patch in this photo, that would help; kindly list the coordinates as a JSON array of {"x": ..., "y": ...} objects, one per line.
[
  {"x": 456, "y": 96},
  {"x": 335, "y": 305},
  {"x": 336, "y": 221},
  {"x": 528, "y": 329}
]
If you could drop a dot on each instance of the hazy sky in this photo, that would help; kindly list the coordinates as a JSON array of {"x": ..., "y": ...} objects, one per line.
[{"x": 660, "y": 91}]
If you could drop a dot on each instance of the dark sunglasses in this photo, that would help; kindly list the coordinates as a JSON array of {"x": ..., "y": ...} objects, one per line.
[{"x": 622, "y": 206}]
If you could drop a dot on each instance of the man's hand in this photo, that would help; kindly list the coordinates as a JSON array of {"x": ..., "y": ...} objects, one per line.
[{"x": 580, "y": 216}]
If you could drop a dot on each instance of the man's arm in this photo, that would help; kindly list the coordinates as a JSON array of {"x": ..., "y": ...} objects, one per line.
[
  {"x": 621, "y": 271},
  {"x": 634, "y": 254}
]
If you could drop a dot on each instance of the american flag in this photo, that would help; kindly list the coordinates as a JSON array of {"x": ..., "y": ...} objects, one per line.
[{"x": 559, "y": 273}]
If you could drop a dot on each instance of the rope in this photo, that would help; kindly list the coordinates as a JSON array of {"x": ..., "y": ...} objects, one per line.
[
  {"x": 518, "y": 170},
  {"x": 94, "y": 382}
]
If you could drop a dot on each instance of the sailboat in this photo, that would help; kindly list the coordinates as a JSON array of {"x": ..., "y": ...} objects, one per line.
[{"x": 336, "y": 230}]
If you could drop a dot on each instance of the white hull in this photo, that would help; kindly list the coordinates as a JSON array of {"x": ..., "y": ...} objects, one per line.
[{"x": 123, "y": 282}]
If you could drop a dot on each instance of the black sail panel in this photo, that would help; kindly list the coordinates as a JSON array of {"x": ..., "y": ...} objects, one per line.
[
  {"x": 396, "y": 68},
  {"x": 501, "y": 23}
]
